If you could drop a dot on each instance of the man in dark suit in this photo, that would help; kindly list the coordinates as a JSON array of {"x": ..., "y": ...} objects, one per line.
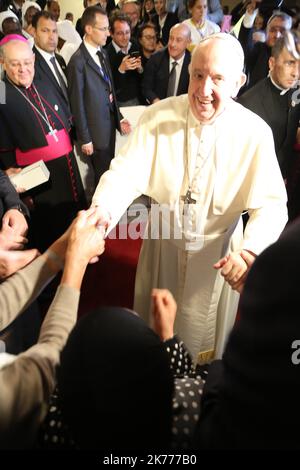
[
  {"x": 272, "y": 99},
  {"x": 166, "y": 63},
  {"x": 50, "y": 67},
  {"x": 92, "y": 94}
]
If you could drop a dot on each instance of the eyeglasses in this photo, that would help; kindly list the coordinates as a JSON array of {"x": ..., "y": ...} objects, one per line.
[{"x": 103, "y": 28}]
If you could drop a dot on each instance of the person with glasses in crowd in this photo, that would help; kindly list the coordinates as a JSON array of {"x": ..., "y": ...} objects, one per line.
[
  {"x": 125, "y": 61},
  {"x": 148, "y": 42},
  {"x": 92, "y": 93}
]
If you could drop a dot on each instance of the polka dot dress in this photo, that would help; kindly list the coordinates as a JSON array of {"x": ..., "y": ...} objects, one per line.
[
  {"x": 187, "y": 394},
  {"x": 54, "y": 433}
]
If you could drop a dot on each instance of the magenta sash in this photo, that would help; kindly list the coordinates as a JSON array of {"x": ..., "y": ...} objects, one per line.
[{"x": 50, "y": 152}]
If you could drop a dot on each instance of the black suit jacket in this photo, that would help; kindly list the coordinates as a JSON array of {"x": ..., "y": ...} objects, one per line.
[
  {"x": 259, "y": 100},
  {"x": 156, "y": 76},
  {"x": 89, "y": 98},
  {"x": 44, "y": 77},
  {"x": 251, "y": 399}
]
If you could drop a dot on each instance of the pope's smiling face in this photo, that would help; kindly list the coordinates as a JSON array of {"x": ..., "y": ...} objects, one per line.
[{"x": 214, "y": 79}]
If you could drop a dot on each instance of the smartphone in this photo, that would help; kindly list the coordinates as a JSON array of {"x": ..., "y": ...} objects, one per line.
[{"x": 135, "y": 54}]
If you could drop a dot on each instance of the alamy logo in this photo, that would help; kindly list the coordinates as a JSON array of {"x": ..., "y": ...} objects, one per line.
[
  {"x": 296, "y": 354},
  {"x": 2, "y": 92},
  {"x": 166, "y": 222}
]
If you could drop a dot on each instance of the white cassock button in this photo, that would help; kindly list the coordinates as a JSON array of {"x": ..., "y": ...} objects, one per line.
[{"x": 56, "y": 107}]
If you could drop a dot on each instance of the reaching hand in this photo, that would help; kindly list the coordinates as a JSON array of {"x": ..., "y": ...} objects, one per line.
[
  {"x": 85, "y": 243},
  {"x": 86, "y": 237},
  {"x": 163, "y": 313},
  {"x": 61, "y": 245}
]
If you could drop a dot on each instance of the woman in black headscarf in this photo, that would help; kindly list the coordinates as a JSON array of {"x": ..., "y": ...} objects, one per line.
[
  {"x": 115, "y": 383},
  {"x": 123, "y": 386}
]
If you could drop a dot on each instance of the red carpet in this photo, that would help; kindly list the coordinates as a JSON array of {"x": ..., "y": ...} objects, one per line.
[{"x": 110, "y": 282}]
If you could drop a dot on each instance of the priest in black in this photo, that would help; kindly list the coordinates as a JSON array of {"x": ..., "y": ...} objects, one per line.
[
  {"x": 34, "y": 127},
  {"x": 273, "y": 99}
]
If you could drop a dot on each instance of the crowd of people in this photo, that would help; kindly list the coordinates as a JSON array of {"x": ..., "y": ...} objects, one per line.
[{"x": 217, "y": 152}]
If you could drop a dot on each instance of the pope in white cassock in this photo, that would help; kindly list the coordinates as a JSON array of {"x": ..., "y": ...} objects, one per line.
[{"x": 208, "y": 159}]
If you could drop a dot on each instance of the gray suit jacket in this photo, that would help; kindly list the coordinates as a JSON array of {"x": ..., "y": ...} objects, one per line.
[{"x": 89, "y": 98}]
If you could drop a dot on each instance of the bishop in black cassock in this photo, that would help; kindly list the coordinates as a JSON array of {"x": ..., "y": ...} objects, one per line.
[{"x": 34, "y": 126}]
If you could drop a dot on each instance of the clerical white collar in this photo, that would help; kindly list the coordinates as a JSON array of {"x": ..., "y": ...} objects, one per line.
[
  {"x": 118, "y": 48},
  {"x": 46, "y": 55},
  {"x": 283, "y": 91}
]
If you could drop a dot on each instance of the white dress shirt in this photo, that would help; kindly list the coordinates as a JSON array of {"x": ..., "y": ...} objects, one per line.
[{"x": 47, "y": 56}]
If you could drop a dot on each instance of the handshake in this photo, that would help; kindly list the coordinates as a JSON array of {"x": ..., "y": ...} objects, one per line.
[
  {"x": 84, "y": 239},
  {"x": 80, "y": 245}
]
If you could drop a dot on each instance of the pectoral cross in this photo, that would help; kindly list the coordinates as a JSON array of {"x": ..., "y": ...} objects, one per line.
[
  {"x": 187, "y": 198},
  {"x": 53, "y": 133}
]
